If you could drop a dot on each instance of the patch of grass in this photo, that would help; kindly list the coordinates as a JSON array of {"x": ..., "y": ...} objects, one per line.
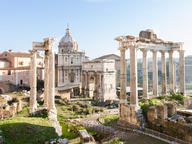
[
  {"x": 26, "y": 130},
  {"x": 110, "y": 119},
  {"x": 115, "y": 142}
]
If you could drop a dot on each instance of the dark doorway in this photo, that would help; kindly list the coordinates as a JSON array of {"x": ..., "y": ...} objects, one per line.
[
  {"x": 1, "y": 92},
  {"x": 21, "y": 82}
]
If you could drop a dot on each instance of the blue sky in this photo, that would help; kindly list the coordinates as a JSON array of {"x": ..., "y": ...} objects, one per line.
[{"x": 93, "y": 23}]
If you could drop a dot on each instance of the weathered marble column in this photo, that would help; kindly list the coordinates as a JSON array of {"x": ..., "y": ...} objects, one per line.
[
  {"x": 123, "y": 99},
  {"x": 101, "y": 88},
  {"x": 133, "y": 77},
  {"x": 46, "y": 79},
  {"x": 95, "y": 81},
  {"x": 174, "y": 77},
  {"x": 52, "y": 111},
  {"x": 145, "y": 74},
  {"x": 163, "y": 73},
  {"x": 155, "y": 73},
  {"x": 33, "y": 82},
  {"x": 171, "y": 88},
  {"x": 182, "y": 71},
  {"x": 87, "y": 84}
]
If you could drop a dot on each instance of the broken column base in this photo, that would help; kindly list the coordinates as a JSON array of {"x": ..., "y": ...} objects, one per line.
[
  {"x": 37, "y": 111},
  {"x": 52, "y": 116},
  {"x": 130, "y": 116}
]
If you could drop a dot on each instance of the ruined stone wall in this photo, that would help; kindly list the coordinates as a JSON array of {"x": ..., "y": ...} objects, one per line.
[
  {"x": 130, "y": 116},
  {"x": 158, "y": 120}
]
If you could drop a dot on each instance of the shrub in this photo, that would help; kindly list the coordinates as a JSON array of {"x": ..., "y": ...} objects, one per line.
[
  {"x": 101, "y": 110},
  {"x": 177, "y": 96},
  {"x": 76, "y": 108},
  {"x": 89, "y": 111},
  {"x": 160, "y": 97}
]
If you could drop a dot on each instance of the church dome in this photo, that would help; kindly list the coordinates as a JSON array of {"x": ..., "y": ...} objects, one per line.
[{"x": 68, "y": 43}]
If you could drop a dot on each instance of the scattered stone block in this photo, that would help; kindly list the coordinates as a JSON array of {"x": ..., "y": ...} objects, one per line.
[{"x": 84, "y": 136}]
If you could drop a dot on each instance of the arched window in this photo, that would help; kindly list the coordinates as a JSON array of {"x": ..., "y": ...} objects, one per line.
[{"x": 71, "y": 60}]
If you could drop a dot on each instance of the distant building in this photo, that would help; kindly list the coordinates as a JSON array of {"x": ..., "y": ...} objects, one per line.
[
  {"x": 68, "y": 64},
  {"x": 99, "y": 79},
  {"x": 188, "y": 69},
  {"x": 15, "y": 67},
  {"x": 117, "y": 65}
]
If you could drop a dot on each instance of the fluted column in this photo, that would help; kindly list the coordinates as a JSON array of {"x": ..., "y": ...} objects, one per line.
[
  {"x": 123, "y": 98},
  {"x": 87, "y": 84},
  {"x": 171, "y": 88},
  {"x": 163, "y": 73},
  {"x": 133, "y": 77},
  {"x": 174, "y": 77},
  {"x": 145, "y": 75},
  {"x": 46, "y": 79},
  {"x": 182, "y": 71},
  {"x": 155, "y": 73},
  {"x": 33, "y": 82}
]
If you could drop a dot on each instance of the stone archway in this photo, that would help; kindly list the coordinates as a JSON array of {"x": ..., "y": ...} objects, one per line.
[
  {"x": 72, "y": 77},
  {"x": 1, "y": 92},
  {"x": 91, "y": 86}
]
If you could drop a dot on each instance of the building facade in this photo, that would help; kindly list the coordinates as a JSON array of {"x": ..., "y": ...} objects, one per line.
[
  {"x": 69, "y": 63},
  {"x": 15, "y": 67},
  {"x": 99, "y": 79}
]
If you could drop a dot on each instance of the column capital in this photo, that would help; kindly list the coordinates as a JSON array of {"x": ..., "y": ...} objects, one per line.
[
  {"x": 122, "y": 48},
  {"x": 154, "y": 51},
  {"x": 163, "y": 51},
  {"x": 32, "y": 51},
  {"x": 49, "y": 42},
  {"x": 170, "y": 51},
  {"x": 144, "y": 50},
  {"x": 181, "y": 51}
]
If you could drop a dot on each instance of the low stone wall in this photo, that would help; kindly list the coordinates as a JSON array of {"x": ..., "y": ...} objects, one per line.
[
  {"x": 161, "y": 112},
  {"x": 172, "y": 128}
]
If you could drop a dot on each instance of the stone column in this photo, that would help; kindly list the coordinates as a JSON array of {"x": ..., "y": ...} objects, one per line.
[
  {"x": 155, "y": 73},
  {"x": 123, "y": 99},
  {"x": 46, "y": 79},
  {"x": 163, "y": 73},
  {"x": 174, "y": 77},
  {"x": 171, "y": 88},
  {"x": 101, "y": 88},
  {"x": 52, "y": 111},
  {"x": 145, "y": 75},
  {"x": 95, "y": 81},
  {"x": 33, "y": 82},
  {"x": 87, "y": 84},
  {"x": 133, "y": 77},
  {"x": 182, "y": 71}
]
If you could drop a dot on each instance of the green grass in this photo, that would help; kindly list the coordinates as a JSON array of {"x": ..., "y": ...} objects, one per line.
[
  {"x": 110, "y": 119},
  {"x": 26, "y": 130}
]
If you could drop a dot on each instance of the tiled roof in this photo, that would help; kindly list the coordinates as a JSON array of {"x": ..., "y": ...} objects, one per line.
[{"x": 22, "y": 54}]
